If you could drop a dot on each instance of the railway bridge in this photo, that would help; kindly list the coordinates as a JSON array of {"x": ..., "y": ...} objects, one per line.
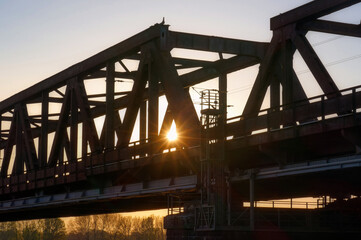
[{"x": 66, "y": 143}]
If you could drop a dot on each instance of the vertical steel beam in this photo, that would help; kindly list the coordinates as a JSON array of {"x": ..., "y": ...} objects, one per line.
[
  {"x": 222, "y": 86},
  {"x": 153, "y": 104},
  {"x": 287, "y": 71},
  {"x": 251, "y": 202},
  {"x": 109, "y": 118},
  {"x": 220, "y": 163},
  {"x": 1, "y": 138},
  {"x": 73, "y": 129},
  {"x": 143, "y": 121},
  {"x": 274, "y": 92},
  {"x": 43, "y": 139},
  {"x": 19, "y": 154},
  {"x": 84, "y": 142}
]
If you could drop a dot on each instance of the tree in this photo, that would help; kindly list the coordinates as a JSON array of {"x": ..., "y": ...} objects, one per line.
[
  {"x": 9, "y": 231},
  {"x": 30, "y": 231},
  {"x": 160, "y": 232},
  {"x": 114, "y": 226},
  {"x": 54, "y": 228},
  {"x": 95, "y": 227},
  {"x": 80, "y": 228},
  {"x": 148, "y": 228},
  {"x": 125, "y": 226}
]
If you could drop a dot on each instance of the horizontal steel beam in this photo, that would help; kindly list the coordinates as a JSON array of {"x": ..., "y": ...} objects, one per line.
[
  {"x": 104, "y": 94},
  {"x": 102, "y": 74},
  {"x": 180, "y": 61},
  {"x": 310, "y": 11},
  {"x": 217, "y": 44},
  {"x": 344, "y": 29},
  {"x": 219, "y": 67},
  {"x": 302, "y": 168}
]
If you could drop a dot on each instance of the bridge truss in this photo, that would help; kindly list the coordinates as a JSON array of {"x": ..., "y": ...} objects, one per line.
[{"x": 66, "y": 141}]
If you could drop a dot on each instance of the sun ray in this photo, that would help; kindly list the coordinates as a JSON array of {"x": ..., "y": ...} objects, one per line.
[{"x": 172, "y": 133}]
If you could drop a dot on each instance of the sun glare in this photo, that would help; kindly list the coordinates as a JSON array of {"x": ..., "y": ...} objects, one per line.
[{"x": 172, "y": 134}]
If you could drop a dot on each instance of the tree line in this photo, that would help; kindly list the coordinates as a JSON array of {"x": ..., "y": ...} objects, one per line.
[{"x": 94, "y": 227}]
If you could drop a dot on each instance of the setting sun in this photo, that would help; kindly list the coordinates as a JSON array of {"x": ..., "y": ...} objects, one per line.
[{"x": 172, "y": 134}]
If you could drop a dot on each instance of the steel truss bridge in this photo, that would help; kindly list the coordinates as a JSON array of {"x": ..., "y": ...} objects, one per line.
[{"x": 56, "y": 162}]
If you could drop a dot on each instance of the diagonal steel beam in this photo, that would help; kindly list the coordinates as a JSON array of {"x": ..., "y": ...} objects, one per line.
[
  {"x": 179, "y": 100},
  {"x": 299, "y": 93},
  {"x": 60, "y": 129},
  {"x": 133, "y": 103},
  {"x": 86, "y": 115},
  {"x": 32, "y": 159},
  {"x": 315, "y": 65},
  {"x": 262, "y": 82},
  {"x": 9, "y": 145},
  {"x": 166, "y": 124}
]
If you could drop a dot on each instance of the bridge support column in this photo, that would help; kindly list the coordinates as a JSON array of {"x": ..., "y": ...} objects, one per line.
[{"x": 251, "y": 201}]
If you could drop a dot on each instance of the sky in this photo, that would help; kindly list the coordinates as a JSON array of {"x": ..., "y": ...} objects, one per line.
[{"x": 39, "y": 38}]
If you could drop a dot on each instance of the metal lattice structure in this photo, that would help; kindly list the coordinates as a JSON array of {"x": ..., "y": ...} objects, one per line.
[{"x": 65, "y": 146}]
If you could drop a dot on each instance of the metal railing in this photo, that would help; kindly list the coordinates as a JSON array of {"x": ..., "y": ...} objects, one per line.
[
  {"x": 315, "y": 109},
  {"x": 292, "y": 203}
]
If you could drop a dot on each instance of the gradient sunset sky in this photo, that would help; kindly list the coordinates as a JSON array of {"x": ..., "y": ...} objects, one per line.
[{"x": 40, "y": 38}]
